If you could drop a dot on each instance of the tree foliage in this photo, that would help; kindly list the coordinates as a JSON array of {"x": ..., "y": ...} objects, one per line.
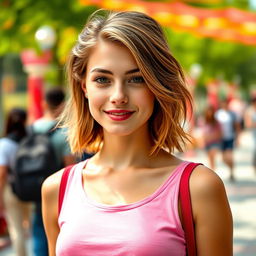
[
  {"x": 20, "y": 19},
  {"x": 219, "y": 59}
]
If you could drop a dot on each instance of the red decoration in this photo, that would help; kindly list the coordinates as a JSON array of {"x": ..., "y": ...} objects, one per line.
[{"x": 229, "y": 24}]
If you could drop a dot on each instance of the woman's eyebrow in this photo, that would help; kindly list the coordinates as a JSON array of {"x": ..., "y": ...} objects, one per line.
[
  {"x": 105, "y": 71},
  {"x": 132, "y": 71},
  {"x": 101, "y": 70}
]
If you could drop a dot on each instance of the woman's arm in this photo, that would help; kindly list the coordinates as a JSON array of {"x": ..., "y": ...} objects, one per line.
[
  {"x": 212, "y": 214},
  {"x": 3, "y": 178},
  {"x": 50, "y": 194},
  {"x": 248, "y": 118}
]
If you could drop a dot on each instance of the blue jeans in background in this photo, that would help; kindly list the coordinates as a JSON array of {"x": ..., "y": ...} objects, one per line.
[{"x": 39, "y": 240}]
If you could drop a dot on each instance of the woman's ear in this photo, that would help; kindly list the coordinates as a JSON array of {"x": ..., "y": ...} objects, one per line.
[{"x": 84, "y": 89}]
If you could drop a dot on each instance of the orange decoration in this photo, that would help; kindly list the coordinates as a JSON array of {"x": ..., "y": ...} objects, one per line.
[{"x": 224, "y": 24}]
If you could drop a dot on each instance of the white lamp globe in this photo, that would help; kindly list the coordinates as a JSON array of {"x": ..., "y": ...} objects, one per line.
[
  {"x": 46, "y": 37},
  {"x": 195, "y": 70}
]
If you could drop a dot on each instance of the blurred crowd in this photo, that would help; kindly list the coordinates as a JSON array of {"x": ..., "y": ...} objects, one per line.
[
  {"x": 216, "y": 130},
  {"x": 20, "y": 219}
]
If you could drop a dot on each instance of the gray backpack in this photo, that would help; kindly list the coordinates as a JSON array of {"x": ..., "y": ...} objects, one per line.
[{"x": 35, "y": 160}]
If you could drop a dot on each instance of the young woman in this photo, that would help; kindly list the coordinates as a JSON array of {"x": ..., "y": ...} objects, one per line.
[
  {"x": 16, "y": 212},
  {"x": 128, "y": 102},
  {"x": 211, "y": 135}
]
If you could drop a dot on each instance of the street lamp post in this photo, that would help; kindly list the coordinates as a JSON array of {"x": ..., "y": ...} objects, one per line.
[{"x": 36, "y": 66}]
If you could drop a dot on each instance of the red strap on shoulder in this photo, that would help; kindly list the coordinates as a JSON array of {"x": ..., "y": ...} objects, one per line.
[
  {"x": 63, "y": 184},
  {"x": 186, "y": 209}
]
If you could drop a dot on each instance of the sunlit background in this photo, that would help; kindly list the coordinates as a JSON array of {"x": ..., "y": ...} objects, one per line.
[{"x": 214, "y": 40}]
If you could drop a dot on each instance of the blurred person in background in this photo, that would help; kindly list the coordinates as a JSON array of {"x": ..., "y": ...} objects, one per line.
[
  {"x": 17, "y": 212},
  {"x": 129, "y": 99},
  {"x": 250, "y": 123},
  {"x": 238, "y": 106},
  {"x": 53, "y": 103},
  {"x": 211, "y": 135},
  {"x": 230, "y": 128}
]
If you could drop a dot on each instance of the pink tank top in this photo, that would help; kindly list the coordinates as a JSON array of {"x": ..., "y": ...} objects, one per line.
[{"x": 148, "y": 227}]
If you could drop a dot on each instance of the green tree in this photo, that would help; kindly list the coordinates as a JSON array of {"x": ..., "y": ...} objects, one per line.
[
  {"x": 228, "y": 60},
  {"x": 19, "y": 20}
]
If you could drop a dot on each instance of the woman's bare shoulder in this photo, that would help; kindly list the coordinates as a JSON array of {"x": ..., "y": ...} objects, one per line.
[
  {"x": 205, "y": 181},
  {"x": 51, "y": 184},
  {"x": 207, "y": 189},
  {"x": 211, "y": 212}
]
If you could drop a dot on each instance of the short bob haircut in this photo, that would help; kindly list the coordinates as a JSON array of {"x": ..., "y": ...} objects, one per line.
[{"x": 144, "y": 37}]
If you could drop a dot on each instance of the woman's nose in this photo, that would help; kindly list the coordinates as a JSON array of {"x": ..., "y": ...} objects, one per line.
[{"x": 119, "y": 95}]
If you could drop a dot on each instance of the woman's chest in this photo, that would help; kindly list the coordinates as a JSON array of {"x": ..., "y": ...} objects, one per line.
[
  {"x": 135, "y": 232},
  {"x": 149, "y": 227},
  {"x": 124, "y": 188}
]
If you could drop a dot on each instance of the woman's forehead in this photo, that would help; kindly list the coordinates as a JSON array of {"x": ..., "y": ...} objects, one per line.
[{"x": 111, "y": 55}]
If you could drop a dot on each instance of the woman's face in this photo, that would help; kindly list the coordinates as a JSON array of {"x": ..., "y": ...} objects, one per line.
[{"x": 119, "y": 99}]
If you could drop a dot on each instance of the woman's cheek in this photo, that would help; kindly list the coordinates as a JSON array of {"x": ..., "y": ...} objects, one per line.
[{"x": 96, "y": 102}]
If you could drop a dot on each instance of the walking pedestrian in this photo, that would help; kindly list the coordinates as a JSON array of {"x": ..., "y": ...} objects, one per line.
[
  {"x": 53, "y": 104},
  {"x": 230, "y": 130},
  {"x": 250, "y": 123},
  {"x": 211, "y": 135},
  {"x": 17, "y": 213},
  {"x": 128, "y": 102}
]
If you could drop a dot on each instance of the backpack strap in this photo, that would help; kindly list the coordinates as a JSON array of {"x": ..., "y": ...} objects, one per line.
[
  {"x": 50, "y": 131},
  {"x": 186, "y": 209},
  {"x": 63, "y": 184}
]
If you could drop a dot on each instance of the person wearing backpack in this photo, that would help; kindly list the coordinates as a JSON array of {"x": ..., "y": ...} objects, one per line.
[
  {"x": 15, "y": 211},
  {"x": 53, "y": 104}
]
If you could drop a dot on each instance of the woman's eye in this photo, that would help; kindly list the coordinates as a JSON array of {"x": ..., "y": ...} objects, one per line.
[
  {"x": 137, "y": 80},
  {"x": 102, "y": 80}
]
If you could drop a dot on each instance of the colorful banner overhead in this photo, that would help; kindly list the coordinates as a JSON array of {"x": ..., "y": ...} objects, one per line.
[{"x": 228, "y": 24}]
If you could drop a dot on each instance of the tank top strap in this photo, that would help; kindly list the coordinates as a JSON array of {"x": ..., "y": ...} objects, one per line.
[{"x": 72, "y": 191}]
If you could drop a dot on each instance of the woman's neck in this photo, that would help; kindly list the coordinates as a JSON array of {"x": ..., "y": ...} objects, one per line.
[{"x": 121, "y": 152}]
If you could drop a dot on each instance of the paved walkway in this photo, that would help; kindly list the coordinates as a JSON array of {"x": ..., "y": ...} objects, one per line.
[{"x": 241, "y": 194}]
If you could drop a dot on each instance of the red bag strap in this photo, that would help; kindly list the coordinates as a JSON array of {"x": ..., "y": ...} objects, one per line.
[
  {"x": 186, "y": 209},
  {"x": 63, "y": 184}
]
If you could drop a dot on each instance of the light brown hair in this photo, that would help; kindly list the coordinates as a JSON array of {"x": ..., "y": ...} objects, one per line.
[{"x": 144, "y": 37}]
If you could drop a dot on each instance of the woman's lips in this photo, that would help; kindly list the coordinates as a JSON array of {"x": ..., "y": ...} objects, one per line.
[{"x": 119, "y": 115}]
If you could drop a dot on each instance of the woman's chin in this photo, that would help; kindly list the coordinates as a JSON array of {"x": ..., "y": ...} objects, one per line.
[{"x": 118, "y": 132}]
